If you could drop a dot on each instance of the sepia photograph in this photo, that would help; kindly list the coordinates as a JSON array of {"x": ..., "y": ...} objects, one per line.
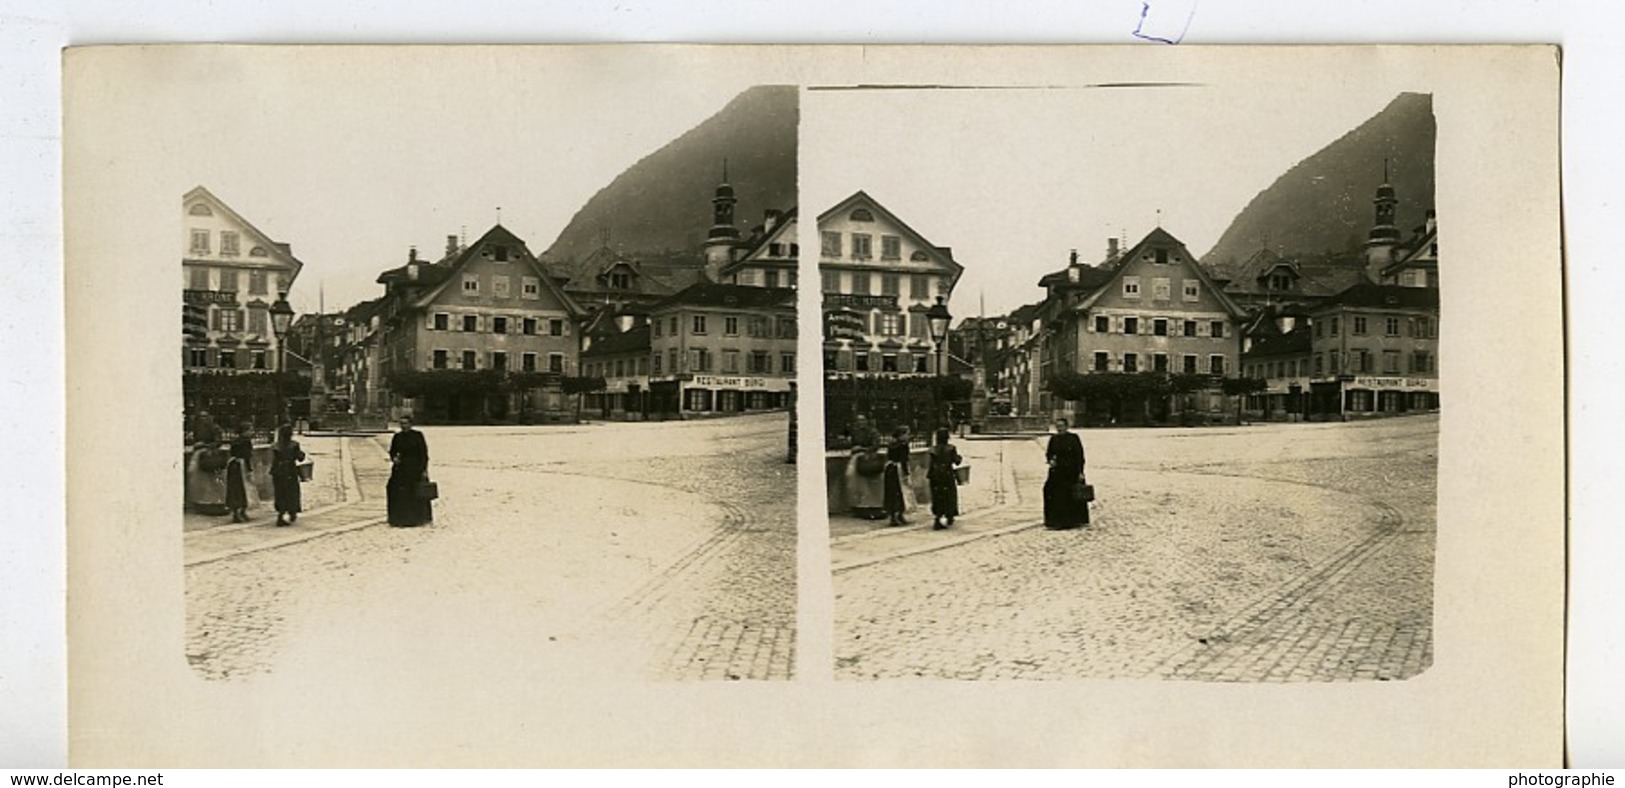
[
  {"x": 1117, "y": 432},
  {"x": 1135, "y": 381},
  {"x": 525, "y": 366}
]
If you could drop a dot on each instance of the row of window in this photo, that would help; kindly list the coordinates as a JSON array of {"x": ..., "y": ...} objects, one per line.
[
  {"x": 862, "y": 246},
  {"x": 500, "y": 324},
  {"x": 863, "y": 283},
  {"x": 497, "y": 360},
  {"x": 226, "y": 358},
  {"x": 1158, "y": 326},
  {"x": 530, "y": 286},
  {"x": 1360, "y": 326},
  {"x": 1190, "y": 364},
  {"x": 757, "y": 362},
  {"x": 864, "y": 361},
  {"x": 769, "y": 278},
  {"x": 1357, "y": 361},
  {"x": 260, "y": 281},
  {"x": 1162, "y": 288},
  {"x": 758, "y": 326},
  {"x": 230, "y": 244}
]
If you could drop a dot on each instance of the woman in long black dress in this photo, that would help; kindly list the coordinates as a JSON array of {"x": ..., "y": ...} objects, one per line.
[
  {"x": 896, "y": 477},
  {"x": 944, "y": 482},
  {"x": 285, "y": 458},
  {"x": 237, "y": 470},
  {"x": 409, "y": 453},
  {"x": 1063, "y": 508}
]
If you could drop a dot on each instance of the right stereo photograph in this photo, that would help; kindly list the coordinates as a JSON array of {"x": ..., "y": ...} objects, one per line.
[{"x": 1129, "y": 381}]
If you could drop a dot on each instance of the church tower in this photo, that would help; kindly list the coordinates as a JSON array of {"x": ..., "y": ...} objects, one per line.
[
  {"x": 723, "y": 238},
  {"x": 1382, "y": 243}
]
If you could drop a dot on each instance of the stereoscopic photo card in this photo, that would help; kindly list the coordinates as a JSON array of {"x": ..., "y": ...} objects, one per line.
[{"x": 814, "y": 406}]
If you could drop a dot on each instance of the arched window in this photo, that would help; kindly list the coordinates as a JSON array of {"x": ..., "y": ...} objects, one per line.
[
  {"x": 862, "y": 215},
  {"x": 199, "y": 209}
]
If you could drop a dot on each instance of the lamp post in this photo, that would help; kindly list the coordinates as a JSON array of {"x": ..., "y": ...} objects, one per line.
[
  {"x": 281, "y": 319},
  {"x": 939, "y": 319}
]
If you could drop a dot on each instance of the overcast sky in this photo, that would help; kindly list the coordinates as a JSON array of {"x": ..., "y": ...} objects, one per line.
[
  {"x": 353, "y": 174},
  {"x": 1013, "y": 180}
]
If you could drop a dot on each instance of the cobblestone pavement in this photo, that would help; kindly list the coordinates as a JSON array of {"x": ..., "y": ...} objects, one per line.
[
  {"x": 1266, "y": 553},
  {"x": 662, "y": 550}
]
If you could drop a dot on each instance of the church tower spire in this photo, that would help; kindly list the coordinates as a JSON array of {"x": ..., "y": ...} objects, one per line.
[
  {"x": 1382, "y": 242},
  {"x": 723, "y": 239}
]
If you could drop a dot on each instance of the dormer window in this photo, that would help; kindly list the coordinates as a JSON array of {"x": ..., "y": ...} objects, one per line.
[{"x": 1280, "y": 281}]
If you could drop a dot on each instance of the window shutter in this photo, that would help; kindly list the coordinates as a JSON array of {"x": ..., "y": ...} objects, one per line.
[{"x": 214, "y": 319}]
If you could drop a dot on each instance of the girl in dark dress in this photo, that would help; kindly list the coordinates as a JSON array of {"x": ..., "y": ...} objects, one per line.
[
  {"x": 409, "y": 453},
  {"x": 237, "y": 470},
  {"x": 896, "y": 477},
  {"x": 285, "y": 458},
  {"x": 944, "y": 484},
  {"x": 1062, "y": 506}
]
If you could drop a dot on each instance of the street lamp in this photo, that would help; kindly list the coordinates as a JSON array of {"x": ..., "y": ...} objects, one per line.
[
  {"x": 281, "y": 319},
  {"x": 939, "y": 319}
]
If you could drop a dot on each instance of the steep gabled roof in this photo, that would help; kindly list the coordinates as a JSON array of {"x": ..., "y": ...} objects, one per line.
[
  {"x": 1161, "y": 237},
  {"x": 277, "y": 249},
  {"x": 736, "y": 296},
  {"x": 1422, "y": 248},
  {"x": 1367, "y": 294},
  {"x": 944, "y": 254},
  {"x": 497, "y": 234},
  {"x": 750, "y": 254},
  {"x": 1295, "y": 342},
  {"x": 633, "y": 341},
  {"x": 1089, "y": 277}
]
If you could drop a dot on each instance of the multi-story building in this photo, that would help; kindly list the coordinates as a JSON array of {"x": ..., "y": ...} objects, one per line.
[
  {"x": 1155, "y": 310},
  {"x": 620, "y": 355},
  {"x": 879, "y": 277},
  {"x": 722, "y": 348},
  {"x": 1374, "y": 350},
  {"x": 488, "y": 306},
  {"x": 1279, "y": 354},
  {"x": 231, "y": 275}
]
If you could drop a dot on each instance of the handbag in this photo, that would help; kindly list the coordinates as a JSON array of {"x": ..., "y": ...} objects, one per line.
[
  {"x": 427, "y": 490},
  {"x": 1084, "y": 492}
]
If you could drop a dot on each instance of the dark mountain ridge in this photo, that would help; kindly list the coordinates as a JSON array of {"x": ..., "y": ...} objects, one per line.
[
  {"x": 661, "y": 206},
  {"x": 1322, "y": 207}
]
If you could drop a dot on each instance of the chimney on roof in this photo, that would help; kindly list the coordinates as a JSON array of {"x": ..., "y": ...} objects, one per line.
[
  {"x": 1111, "y": 250},
  {"x": 770, "y": 219},
  {"x": 451, "y": 244},
  {"x": 1073, "y": 258},
  {"x": 411, "y": 254}
]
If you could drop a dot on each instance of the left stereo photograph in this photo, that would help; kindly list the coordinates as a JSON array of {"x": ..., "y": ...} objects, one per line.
[{"x": 506, "y": 383}]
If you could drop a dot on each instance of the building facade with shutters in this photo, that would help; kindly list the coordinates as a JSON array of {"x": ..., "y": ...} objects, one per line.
[
  {"x": 1155, "y": 309},
  {"x": 231, "y": 275},
  {"x": 878, "y": 277},
  {"x": 487, "y": 307},
  {"x": 1375, "y": 351},
  {"x": 721, "y": 349}
]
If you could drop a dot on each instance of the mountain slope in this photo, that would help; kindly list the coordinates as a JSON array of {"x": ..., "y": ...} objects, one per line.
[
  {"x": 1323, "y": 204},
  {"x": 661, "y": 205}
]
